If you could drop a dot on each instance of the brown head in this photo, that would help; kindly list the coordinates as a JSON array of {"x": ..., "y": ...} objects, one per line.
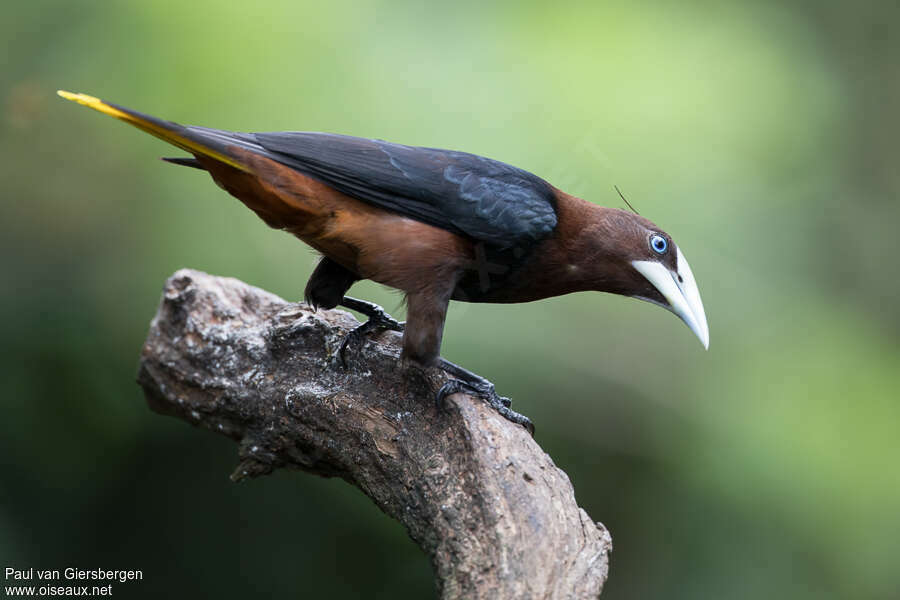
[{"x": 628, "y": 255}]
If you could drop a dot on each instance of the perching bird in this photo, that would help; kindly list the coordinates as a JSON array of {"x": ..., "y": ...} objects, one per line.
[{"x": 436, "y": 224}]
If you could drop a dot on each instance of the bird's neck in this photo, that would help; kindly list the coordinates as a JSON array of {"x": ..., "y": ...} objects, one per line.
[
  {"x": 586, "y": 251},
  {"x": 580, "y": 256}
]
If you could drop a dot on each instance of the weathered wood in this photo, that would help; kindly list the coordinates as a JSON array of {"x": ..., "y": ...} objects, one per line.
[{"x": 476, "y": 492}]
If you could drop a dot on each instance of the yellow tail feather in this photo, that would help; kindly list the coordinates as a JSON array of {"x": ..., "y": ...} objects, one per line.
[{"x": 158, "y": 130}]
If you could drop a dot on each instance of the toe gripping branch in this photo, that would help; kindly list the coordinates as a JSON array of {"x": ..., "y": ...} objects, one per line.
[
  {"x": 378, "y": 320},
  {"x": 471, "y": 383},
  {"x": 463, "y": 381}
]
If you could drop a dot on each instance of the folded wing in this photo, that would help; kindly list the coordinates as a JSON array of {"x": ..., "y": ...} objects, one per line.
[{"x": 471, "y": 195}]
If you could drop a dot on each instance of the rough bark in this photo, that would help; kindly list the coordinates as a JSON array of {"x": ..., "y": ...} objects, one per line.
[{"x": 476, "y": 492}]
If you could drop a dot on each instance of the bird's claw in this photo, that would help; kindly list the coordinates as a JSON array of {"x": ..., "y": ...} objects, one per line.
[
  {"x": 379, "y": 320},
  {"x": 354, "y": 336},
  {"x": 487, "y": 392}
]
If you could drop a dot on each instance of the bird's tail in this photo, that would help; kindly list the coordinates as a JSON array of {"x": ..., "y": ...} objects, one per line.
[
  {"x": 282, "y": 196},
  {"x": 196, "y": 140}
]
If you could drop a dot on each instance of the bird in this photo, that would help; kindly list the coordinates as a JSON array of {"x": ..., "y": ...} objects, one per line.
[{"x": 438, "y": 225}]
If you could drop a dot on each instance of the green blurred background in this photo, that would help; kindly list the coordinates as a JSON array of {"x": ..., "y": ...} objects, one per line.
[{"x": 761, "y": 135}]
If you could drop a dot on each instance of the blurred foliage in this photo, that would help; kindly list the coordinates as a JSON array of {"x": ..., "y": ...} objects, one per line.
[{"x": 761, "y": 135}]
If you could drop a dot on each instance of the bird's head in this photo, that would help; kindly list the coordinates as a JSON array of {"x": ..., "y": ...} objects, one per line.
[{"x": 648, "y": 265}]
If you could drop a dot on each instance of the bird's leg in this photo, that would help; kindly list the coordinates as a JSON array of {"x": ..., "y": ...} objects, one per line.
[
  {"x": 426, "y": 314},
  {"x": 379, "y": 319},
  {"x": 326, "y": 288},
  {"x": 468, "y": 382}
]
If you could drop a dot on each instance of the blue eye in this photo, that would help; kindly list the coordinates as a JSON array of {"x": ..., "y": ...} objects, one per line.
[{"x": 658, "y": 243}]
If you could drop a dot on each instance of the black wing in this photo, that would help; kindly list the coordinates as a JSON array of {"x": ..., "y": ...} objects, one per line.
[{"x": 475, "y": 196}]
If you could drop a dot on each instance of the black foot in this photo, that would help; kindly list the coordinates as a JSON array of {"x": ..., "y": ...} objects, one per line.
[
  {"x": 378, "y": 320},
  {"x": 477, "y": 385}
]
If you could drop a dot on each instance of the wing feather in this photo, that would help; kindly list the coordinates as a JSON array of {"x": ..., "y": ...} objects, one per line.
[{"x": 468, "y": 194}]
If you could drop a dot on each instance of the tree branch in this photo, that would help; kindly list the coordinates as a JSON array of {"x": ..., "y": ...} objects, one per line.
[{"x": 476, "y": 492}]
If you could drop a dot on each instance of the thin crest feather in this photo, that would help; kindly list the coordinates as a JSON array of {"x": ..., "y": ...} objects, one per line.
[{"x": 626, "y": 201}]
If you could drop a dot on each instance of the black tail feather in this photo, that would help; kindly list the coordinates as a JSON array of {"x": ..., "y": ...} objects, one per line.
[{"x": 185, "y": 162}]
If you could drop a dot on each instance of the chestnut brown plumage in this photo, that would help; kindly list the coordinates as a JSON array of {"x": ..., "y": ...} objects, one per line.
[{"x": 438, "y": 225}]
